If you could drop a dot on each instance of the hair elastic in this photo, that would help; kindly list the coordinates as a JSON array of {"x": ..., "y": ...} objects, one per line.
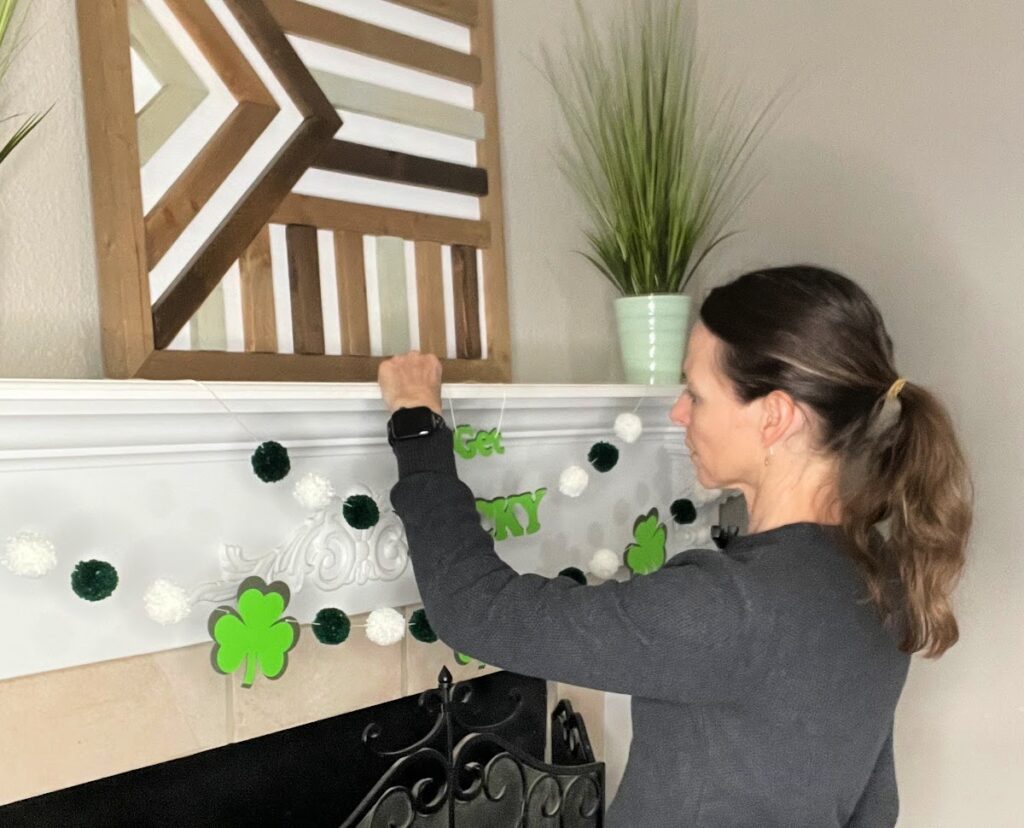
[{"x": 895, "y": 388}]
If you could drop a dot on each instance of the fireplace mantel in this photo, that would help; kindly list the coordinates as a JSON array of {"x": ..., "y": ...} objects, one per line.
[{"x": 155, "y": 477}]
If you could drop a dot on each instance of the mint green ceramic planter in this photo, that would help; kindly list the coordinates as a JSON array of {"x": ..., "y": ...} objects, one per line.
[{"x": 652, "y": 336}]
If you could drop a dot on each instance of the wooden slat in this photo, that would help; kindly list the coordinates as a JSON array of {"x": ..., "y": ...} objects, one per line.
[
  {"x": 196, "y": 185},
  {"x": 188, "y": 291},
  {"x": 467, "y": 302},
  {"x": 393, "y": 295},
  {"x": 213, "y": 40},
  {"x": 402, "y": 107},
  {"x": 491, "y": 209},
  {"x": 111, "y": 134},
  {"x": 344, "y": 32},
  {"x": 259, "y": 319},
  {"x": 351, "y": 273},
  {"x": 304, "y": 282},
  {"x": 208, "y": 326},
  {"x": 326, "y": 214},
  {"x": 235, "y": 367},
  {"x": 430, "y": 298},
  {"x": 387, "y": 165},
  {"x": 466, "y": 12},
  {"x": 288, "y": 68},
  {"x": 181, "y": 90},
  {"x": 163, "y": 114}
]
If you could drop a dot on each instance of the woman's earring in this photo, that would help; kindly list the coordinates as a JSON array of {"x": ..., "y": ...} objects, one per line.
[{"x": 770, "y": 455}]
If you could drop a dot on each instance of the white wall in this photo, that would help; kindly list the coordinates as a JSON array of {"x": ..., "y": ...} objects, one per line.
[
  {"x": 900, "y": 162},
  {"x": 49, "y": 305},
  {"x": 49, "y": 313}
]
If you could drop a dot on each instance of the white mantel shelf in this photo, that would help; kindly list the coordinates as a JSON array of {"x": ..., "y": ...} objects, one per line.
[
  {"x": 44, "y": 422},
  {"x": 156, "y": 478}
]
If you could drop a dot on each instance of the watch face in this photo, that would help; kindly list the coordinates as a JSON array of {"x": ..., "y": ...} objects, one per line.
[{"x": 412, "y": 422}]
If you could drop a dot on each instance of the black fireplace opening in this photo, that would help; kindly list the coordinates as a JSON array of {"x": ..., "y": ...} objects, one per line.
[{"x": 466, "y": 754}]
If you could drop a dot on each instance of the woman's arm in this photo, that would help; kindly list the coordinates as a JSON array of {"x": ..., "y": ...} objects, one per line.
[
  {"x": 879, "y": 805},
  {"x": 684, "y": 633}
]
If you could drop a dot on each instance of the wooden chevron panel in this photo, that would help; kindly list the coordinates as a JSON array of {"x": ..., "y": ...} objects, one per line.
[{"x": 382, "y": 220}]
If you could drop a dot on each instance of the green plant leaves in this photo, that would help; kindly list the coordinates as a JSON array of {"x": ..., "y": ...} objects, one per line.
[
  {"x": 255, "y": 635},
  {"x": 647, "y": 554},
  {"x": 659, "y": 167},
  {"x": 7, "y": 51}
]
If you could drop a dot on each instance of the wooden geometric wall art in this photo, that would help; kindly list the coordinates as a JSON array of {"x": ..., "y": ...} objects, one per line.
[{"x": 303, "y": 189}]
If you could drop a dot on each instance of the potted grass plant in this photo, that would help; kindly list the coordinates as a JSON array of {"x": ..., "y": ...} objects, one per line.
[
  {"x": 8, "y": 49},
  {"x": 660, "y": 169}
]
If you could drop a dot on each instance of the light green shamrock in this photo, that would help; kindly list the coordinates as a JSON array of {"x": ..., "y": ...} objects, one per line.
[
  {"x": 647, "y": 555},
  {"x": 463, "y": 659},
  {"x": 256, "y": 633}
]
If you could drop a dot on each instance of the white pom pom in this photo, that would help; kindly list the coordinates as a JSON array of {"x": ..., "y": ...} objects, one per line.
[
  {"x": 29, "y": 555},
  {"x": 385, "y": 626},
  {"x": 628, "y": 427},
  {"x": 702, "y": 496},
  {"x": 313, "y": 491},
  {"x": 604, "y": 564},
  {"x": 166, "y": 602},
  {"x": 573, "y": 481}
]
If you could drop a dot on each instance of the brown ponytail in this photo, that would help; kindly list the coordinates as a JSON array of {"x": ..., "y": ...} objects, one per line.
[{"x": 904, "y": 487}]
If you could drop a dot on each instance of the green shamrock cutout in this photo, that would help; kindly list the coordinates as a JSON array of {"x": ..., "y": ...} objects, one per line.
[
  {"x": 647, "y": 555},
  {"x": 463, "y": 659},
  {"x": 255, "y": 634}
]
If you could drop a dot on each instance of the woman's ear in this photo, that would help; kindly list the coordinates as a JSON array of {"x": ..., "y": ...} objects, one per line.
[{"x": 781, "y": 418}]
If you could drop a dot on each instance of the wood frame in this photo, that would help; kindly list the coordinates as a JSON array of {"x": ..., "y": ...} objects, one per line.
[{"x": 137, "y": 331}]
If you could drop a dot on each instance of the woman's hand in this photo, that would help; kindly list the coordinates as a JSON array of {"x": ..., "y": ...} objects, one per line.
[{"x": 411, "y": 380}]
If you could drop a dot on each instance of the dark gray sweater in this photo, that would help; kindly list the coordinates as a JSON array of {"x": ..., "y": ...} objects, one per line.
[{"x": 763, "y": 690}]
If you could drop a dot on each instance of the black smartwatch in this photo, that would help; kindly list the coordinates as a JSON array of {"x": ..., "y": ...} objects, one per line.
[{"x": 408, "y": 423}]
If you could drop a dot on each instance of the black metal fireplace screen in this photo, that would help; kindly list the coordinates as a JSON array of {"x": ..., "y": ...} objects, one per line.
[
  {"x": 482, "y": 780},
  {"x": 474, "y": 761}
]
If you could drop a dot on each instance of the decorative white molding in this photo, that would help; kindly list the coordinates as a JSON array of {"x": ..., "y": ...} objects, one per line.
[{"x": 324, "y": 551}]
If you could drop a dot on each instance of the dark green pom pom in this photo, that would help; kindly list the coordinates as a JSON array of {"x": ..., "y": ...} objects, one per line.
[
  {"x": 420, "y": 627},
  {"x": 575, "y": 573},
  {"x": 93, "y": 580},
  {"x": 360, "y": 511},
  {"x": 603, "y": 456},
  {"x": 331, "y": 626},
  {"x": 683, "y": 510},
  {"x": 270, "y": 462}
]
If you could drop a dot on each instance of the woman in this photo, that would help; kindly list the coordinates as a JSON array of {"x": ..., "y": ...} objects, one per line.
[{"x": 764, "y": 677}]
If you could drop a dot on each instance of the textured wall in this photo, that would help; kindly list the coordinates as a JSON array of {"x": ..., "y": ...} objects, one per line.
[{"x": 49, "y": 313}]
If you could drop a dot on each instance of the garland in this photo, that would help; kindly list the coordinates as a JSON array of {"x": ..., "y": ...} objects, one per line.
[{"x": 255, "y": 636}]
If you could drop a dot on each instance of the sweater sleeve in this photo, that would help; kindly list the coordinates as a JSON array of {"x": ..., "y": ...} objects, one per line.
[
  {"x": 879, "y": 805},
  {"x": 682, "y": 633}
]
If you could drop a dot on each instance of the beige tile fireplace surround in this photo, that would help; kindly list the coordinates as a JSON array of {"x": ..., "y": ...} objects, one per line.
[{"x": 154, "y": 475}]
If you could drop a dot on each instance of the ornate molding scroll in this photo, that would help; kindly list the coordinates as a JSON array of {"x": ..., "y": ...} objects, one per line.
[{"x": 324, "y": 552}]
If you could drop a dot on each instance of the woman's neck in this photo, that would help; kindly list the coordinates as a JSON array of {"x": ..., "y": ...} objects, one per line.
[{"x": 784, "y": 496}]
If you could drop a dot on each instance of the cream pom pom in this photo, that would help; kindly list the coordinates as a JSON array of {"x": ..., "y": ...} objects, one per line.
[
  {"x": 604, "y": 564},
  {"x": 385, "y": 626},
  {"x": 166, "y": 602},
  {"x": 29, "y": 554},
  {"x": 313, "y": 491},
  {"x": 573, "y": 481},
  {"x": 628, "y": 427},
  {"x": 702, "y": 496}
]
